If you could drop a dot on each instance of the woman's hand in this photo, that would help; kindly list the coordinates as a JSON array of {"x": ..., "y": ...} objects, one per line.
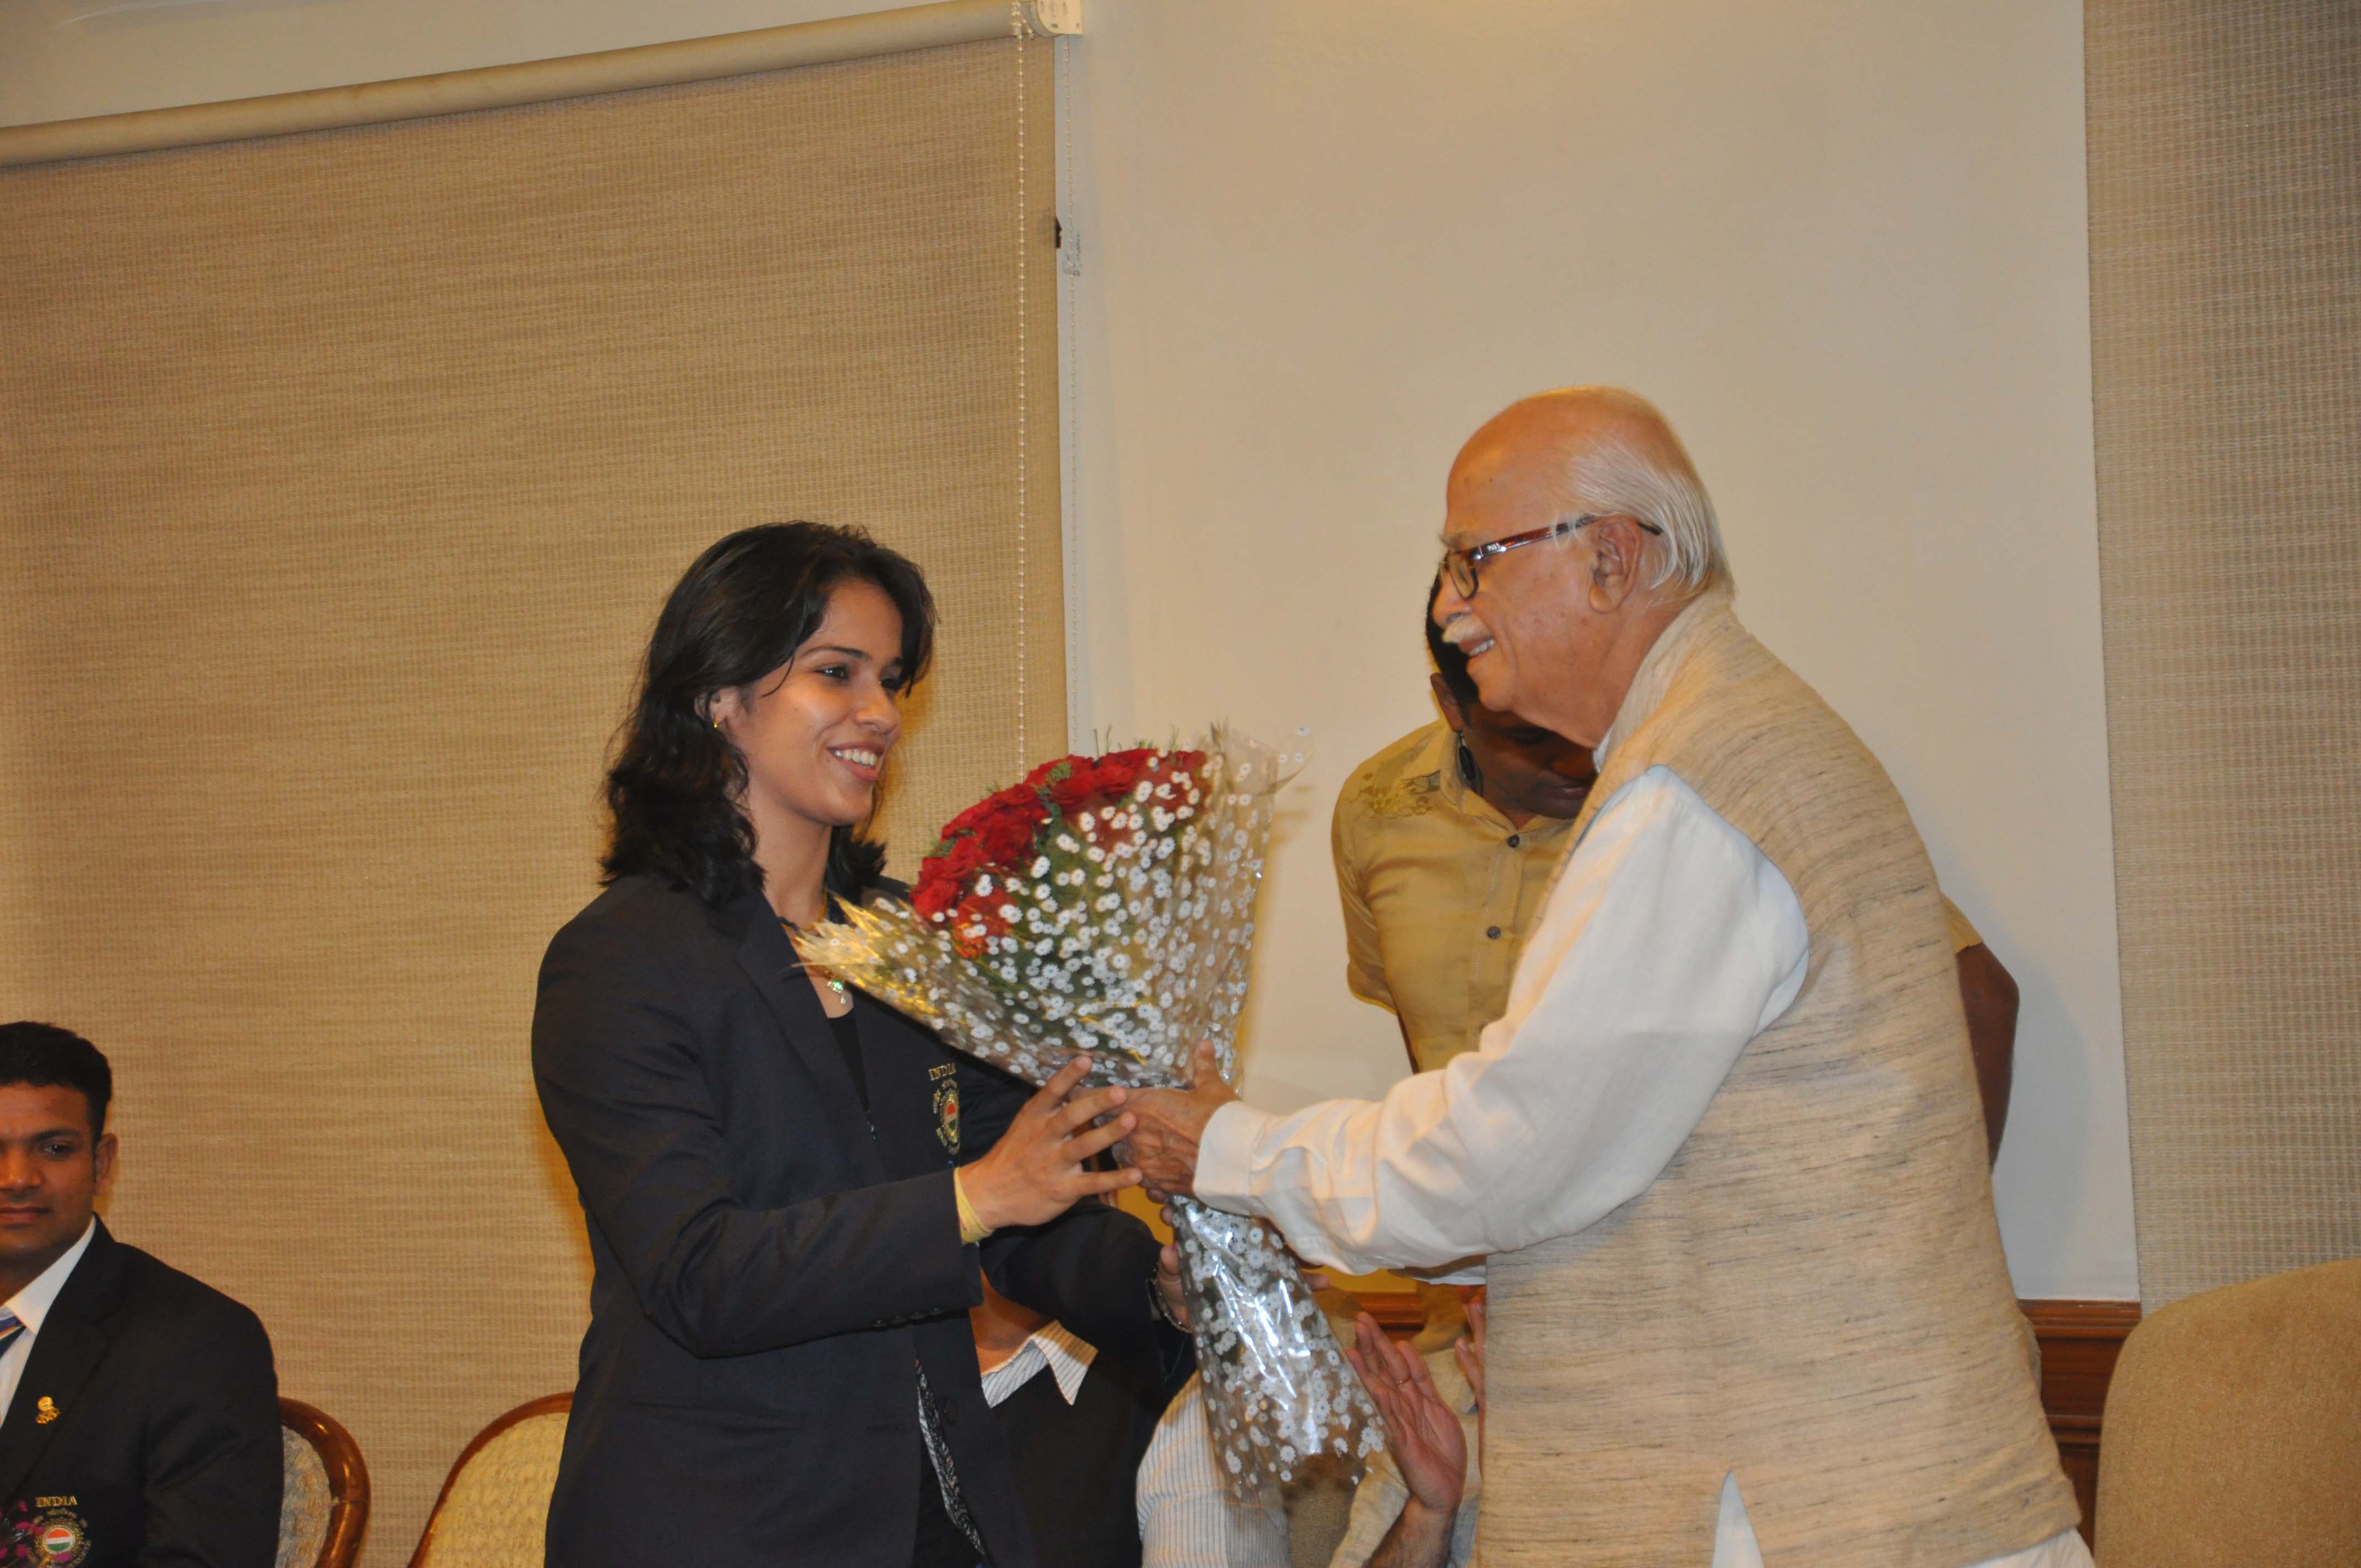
[{"x": 1035, "y": 1172}]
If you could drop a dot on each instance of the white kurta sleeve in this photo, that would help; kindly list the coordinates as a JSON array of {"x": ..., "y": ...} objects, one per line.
[{"x": 1668, "y": 943}]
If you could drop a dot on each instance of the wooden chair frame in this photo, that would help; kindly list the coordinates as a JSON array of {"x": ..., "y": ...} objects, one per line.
[
  {"x": 348, "y": 1481},
  {"x": 548, "y": 1404}
]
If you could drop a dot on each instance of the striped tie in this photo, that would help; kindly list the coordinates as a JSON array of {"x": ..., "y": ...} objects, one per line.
[{"x": 11, "y": 1325}]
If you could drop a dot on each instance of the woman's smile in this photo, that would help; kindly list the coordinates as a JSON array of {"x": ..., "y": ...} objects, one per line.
[{"x": 861, "y": 761}]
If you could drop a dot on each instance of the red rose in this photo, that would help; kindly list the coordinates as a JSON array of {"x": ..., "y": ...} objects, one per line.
[
  {"x": 1121, "y": 770},
  {"x": 966, "y": 856},
  {"x": 934, "y": 895},
  {"x": 1015, "y": 796},
  {"x": 1007, "y": 840},
  {"x": 1076, "y": 789},
  {"x": 1107, "y": 778},
  {"x": 1040, "y": 777}
]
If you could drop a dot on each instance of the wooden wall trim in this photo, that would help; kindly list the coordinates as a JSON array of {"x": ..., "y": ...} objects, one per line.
[{"x": 2080, "y": 1341}]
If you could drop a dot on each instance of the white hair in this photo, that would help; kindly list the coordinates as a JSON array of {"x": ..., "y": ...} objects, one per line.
[{"x": 1611, "y": 472}]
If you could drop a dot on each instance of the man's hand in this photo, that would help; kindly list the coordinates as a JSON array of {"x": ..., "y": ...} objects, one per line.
[
  {"x": 1167, "y": 1285},
  {"x": 1428, "y": 1443},
  {"x": 1169, "y": 1122}
]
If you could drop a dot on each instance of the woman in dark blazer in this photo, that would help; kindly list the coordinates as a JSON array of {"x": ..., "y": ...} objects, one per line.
[{"x": 779, "y": 1176}]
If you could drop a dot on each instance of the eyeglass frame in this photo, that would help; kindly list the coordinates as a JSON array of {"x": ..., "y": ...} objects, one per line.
[{"x": 1469, "y": 559}]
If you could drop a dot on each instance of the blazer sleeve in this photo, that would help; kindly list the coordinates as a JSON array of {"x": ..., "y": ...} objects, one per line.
[
  {"x": 1089, "y": 1267},
  {"x": 623, "y": 1087},
  {"x": 212, "y": 1453}
]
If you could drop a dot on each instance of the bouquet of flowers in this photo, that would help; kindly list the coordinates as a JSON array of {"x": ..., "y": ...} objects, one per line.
[{"x": 1106, "y": 904}]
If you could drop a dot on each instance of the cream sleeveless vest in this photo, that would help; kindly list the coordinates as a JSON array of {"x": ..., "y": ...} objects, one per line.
[{"x": 1812, "y": 1294}]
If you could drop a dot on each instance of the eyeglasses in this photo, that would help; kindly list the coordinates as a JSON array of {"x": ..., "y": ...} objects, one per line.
[{"x": 1460, "y": 565}]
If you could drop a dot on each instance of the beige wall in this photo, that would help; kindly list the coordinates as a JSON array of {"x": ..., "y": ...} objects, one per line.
[{"x": 1842, "y": 243}]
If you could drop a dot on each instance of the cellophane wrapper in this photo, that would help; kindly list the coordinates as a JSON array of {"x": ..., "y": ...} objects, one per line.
[{"x": 1123, "y": 926}]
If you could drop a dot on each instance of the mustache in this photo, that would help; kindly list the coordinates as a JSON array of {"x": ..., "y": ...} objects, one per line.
[{"x": 1464, "y": 629}]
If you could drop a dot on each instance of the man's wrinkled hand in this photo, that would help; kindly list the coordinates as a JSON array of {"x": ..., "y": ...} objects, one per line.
[
  {"x": 1168, "y": 1124},
  {"x": 1429, "y": 1446}
]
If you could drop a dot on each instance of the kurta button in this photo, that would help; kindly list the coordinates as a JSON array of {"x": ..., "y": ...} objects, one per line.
[
  {"x": 1515, "y": 839},
  {"x": 1493, "y": 932}
]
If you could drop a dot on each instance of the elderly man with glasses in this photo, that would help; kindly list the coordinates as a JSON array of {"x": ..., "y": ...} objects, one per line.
[{"x": 1721, "y": 1162}]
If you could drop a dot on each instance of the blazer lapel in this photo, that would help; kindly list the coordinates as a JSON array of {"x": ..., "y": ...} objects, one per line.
[
  {"x": 67, "y": 1350},
  {"x": 769, "y": 960}
]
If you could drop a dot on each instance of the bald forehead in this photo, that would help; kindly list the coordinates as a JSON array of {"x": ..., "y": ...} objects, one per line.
[
  {"x": 1555, "y": 425},
  {"x": 1518, "y": 459},
  {"x": 1522, "y": 456}
]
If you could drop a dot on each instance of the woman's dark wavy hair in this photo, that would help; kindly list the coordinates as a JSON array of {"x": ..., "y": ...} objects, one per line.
[{"x": 737, "y": 614}]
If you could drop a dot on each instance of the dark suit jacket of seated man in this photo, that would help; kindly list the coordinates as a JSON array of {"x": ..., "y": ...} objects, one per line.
[
  {"x": 1079, "y": 1420},
  {"x": 142, "y": 1419}
]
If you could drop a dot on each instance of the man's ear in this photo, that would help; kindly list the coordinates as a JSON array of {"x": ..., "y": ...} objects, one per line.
[
  {"x": 1616, "y": 547},
  {"x": 102, "y": 1159},
  {"x": 1453, "y": 713}
]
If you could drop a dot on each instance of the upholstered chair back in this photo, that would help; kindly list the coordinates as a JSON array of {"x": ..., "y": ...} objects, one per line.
[{"x": 2233, "y": 1431}]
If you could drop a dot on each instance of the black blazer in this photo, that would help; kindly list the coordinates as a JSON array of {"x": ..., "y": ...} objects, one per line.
[
  {"x": 768, "y": 1272},
  {"x": 163, "y": 1447},
  {"x": 1078, "y": 1465}
]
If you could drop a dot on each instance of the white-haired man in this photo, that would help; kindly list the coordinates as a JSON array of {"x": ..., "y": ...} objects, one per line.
[{"x": 1722, "y": 1155}]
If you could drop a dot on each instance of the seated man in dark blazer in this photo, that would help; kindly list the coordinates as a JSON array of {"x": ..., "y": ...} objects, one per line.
[
  {"x": 142, "y": 1419},
  {"x": 1078, "y": 1423}
]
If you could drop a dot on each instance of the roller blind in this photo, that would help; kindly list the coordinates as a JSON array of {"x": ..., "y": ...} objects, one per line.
[
  {"x": 2226, "y": 316},
  {"x": 341, "y": 477}
]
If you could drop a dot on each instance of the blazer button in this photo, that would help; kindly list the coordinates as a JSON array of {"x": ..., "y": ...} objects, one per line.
[{"x": 1493, "y": 932}]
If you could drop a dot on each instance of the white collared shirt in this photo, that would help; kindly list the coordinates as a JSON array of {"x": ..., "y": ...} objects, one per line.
[
  {"x": 1187, "y": 1519},
  {"x": 32, "y": 1306},
  {"x": 1068, "y": 1359}
]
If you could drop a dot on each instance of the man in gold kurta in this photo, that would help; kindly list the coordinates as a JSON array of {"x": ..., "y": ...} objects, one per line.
[{"x": 1445, "y": 845}]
